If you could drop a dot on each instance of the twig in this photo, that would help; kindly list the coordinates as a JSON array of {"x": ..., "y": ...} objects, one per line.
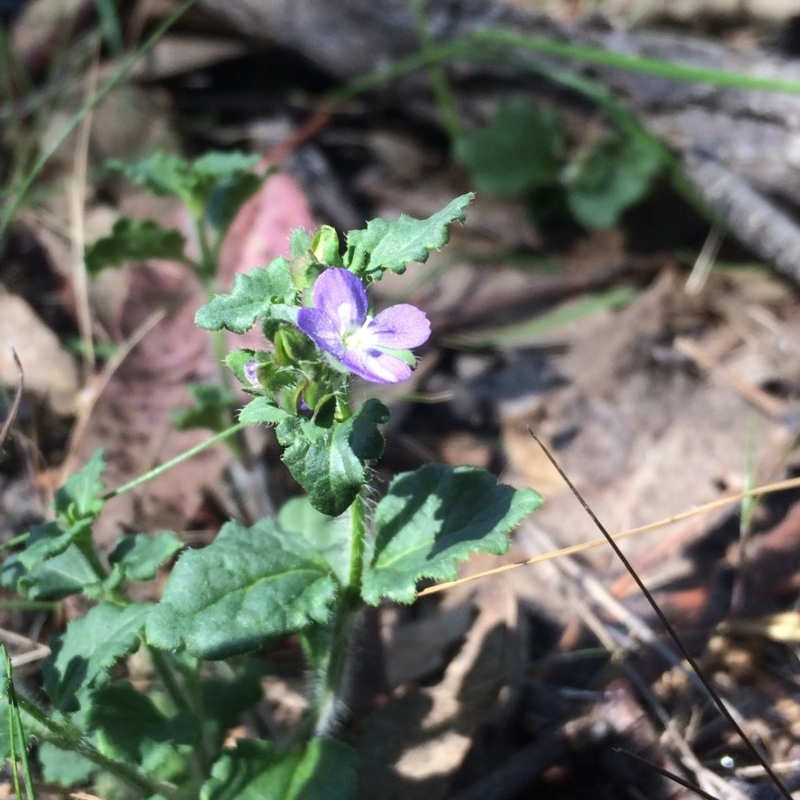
[
  {"x": 715, "y": 698},
  {"x": 14, "y": 410},
  {"x": 92, "y": 395}
]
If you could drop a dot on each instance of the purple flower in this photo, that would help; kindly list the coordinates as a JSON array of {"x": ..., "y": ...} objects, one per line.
[{"x": 338, "y": 323}]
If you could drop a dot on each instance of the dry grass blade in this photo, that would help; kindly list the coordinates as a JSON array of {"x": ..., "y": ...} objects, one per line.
[
  {"x": 94, "y": 390},
  {"x": 667, "y": 774},
  {"x": 12, "y": 414},
  {"x": 715, "y": 698},
  {"x": 778, "y": 486}
]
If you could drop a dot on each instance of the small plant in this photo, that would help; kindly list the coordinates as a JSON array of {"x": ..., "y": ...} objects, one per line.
[
  {"x": 310, "y": 572},
  {"x": 522, "y": 152}
]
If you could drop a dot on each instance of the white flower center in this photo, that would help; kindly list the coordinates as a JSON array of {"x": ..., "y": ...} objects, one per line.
[{"x": 358, "y": 338}]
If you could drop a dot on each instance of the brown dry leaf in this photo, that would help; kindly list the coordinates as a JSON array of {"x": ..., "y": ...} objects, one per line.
[
  {"x": 648, "y": 437},
  {"x": 413, "y": 746},
  {"x": 132, "y": 417},
  {"x": 50, "y": 372},
  {"x": 645, "y": 431},
  {"x": 180, "y": 53}
]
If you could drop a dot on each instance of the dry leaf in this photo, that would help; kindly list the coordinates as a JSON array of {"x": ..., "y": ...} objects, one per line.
[{"x": 50, "y": 372}]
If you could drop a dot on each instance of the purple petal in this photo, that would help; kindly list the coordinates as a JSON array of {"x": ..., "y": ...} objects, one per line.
[
  {"x": 322, "y": 329},
  {"x": 400, "y": 327},
  {"x": 375, "y": 366},
  {"x": 342, "y": 297},
  {"x": 251, "y": 372}
]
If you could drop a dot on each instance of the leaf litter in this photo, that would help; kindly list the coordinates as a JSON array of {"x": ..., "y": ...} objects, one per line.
[{"x": 651, "y": 406}]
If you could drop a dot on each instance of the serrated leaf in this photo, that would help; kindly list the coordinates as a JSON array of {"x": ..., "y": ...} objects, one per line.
[
  {"x": 58, "y": 577},
  {"x": 217, "y": 164},
  {"x": 132, "y": 240},
  {"x": 83, "y": 656},
  {"x": 139, "y": 555},
  {"x": 51, "y": 539},
  {"x": 431, "y": 519},
  {"x": 192, "y": 182},
  {"x": 386, "y": 245},
  {"x": 161, "y": 173},
  {"x": 81, "y": 495},
  {"x": 299, "y": 242},
  {"x": 330, "y": 463},
  {"x": 262, "y": 411},
  {"x": 324, "y": 769},
  {"x": 614, "y": 176},
  {"x": 518, "y": 150},
  {"x": 253, "y": 296},
  {"x": 130, "y": 728},
  {"x": 248, "y": 585},
  {"x": 76, "y": 503}
]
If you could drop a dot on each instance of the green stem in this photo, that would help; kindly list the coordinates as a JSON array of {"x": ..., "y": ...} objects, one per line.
[
  {"x": 162, "y": 468},
  {"x": 333, "y": 675},
  {"x": 479, "y": 47},
  {"x": 167, "y": 675},
  {"x": 68, "y": 737},
  {"x": 207, "y": 270},
  {"x": 199, "y": 757},
  {"x": 441, "y": 88},
  {"x": 87, "y": 548}
]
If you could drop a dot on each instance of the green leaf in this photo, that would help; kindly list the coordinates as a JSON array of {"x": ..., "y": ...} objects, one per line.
[
  {"x": 192, "y": 182},
  {"x": 518, "y": 151},
  {"x": 330, "y": 463},
  {"x": 299, "y": 242},
  {"x": 225, "y": 700},
  {"x": 64, "y": 767},
  {"x": 51, "y": 539},
  {"x": 58, "y": 577},
  {"x": 328, "y": 536},
  {"x": 130, "y": 728},
  {"x": 324, "y": 769},
  {"x": 212, "y": 408},
  {"x": 139, "y": 555},
  {"x": 216, "y": 165},
  {"x": 262, "y": 411},
  {"x": 615, "y": 175},
  {"x": 132, "y": 240},
  {"x": 260, "y": 294},
  {"x": 83, "y": 656},
  {"x": 81, "y": 496},
  {"x": 391, "y": 245},
  {"x": 76, "y": 503},
  {"x": 434, "y": 517},
  {"x": 249, "y": 584},
  {"x": 228, "y": 196},
  {"x": 159, "y": 173}
]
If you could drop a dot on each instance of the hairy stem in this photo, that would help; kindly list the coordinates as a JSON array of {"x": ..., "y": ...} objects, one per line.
[{"x": 333, "y": 671}]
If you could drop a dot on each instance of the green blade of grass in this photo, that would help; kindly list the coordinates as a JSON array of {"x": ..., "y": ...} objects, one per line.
[
  {"x": 20, "y": 191},
  {"x": 16, "y": 733},
  {"x": 474, "y": 47}
]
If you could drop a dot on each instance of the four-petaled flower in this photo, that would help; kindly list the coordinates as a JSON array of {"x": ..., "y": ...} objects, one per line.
[{"x": 339, "y": 324}]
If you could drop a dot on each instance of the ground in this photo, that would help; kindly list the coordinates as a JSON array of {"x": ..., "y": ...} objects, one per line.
[{"x": 654, "y": 353}]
